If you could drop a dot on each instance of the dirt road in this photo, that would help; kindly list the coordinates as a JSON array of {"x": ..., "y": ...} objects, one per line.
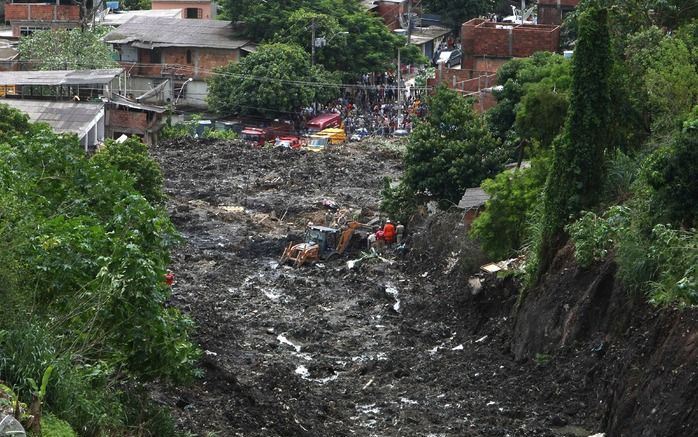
[{"x": 392, "y": 347}]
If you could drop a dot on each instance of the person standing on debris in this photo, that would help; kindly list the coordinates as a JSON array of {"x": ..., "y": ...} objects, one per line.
[
  {"x": 389, "y": 232},
  {"x": 399, "y": 232}
]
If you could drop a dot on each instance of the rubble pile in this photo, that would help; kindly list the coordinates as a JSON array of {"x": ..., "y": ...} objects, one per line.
[{"x": 388, "y": 347}]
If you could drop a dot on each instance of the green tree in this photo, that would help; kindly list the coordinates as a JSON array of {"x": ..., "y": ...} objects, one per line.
[
  {"x": 672, "y": 173},
  {"x": 532, "y": 102},
  {"x": 456, "y": 12},
  {"x": 83, "y": 262},
  {"x": 12, "y": 122},
  {"x": 134, "y": 5},
  {"x": 576, "y": 176},
  {"x": 131, "y": 157},
  {"x": 451, "y": 150},
  {"x": 541, "y": 113},
  {"x": 277, "y": 78},
  {"x": 358, "y": 41},
  {"x": 502, "y": 227},
  {"x": 74, "y": 49}
]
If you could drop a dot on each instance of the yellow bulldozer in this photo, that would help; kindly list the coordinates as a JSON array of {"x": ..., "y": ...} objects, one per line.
[{"x": 322, "y": 242}]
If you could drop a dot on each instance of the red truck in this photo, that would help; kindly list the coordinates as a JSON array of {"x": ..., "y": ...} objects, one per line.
[
  {"x": 259, "y": 136},
  {"x": 324, "y": 121},
  {"x": 289, "y": 141}
]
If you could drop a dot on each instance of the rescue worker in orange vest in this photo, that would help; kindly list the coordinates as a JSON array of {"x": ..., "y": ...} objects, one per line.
[{"x": 389, "y": 232}]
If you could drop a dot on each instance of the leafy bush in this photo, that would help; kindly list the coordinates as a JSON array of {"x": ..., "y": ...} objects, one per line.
[
  {"x": 501, "y": 227},
  {"x": 675, "y": 252},
  {"x": 398, "y": 202},
  {"x": 51, "y": 426},
  {"x": 450, "y": 151},
  {"x": 83, "y": 263},
  {"x": 595, "y": 236},
  {"x": 132, "y": 158},
  {"x": 671, "y": 173}
]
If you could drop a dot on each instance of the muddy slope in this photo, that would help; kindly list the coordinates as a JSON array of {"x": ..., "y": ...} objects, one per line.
[
  {"x": 646, "y": 360},
  {"x": 397, "y": 346}
]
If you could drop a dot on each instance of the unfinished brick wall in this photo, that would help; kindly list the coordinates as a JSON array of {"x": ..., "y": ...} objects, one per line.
[
  {"x": 390, "y": 13},
  {"x": 488, "y": 45},
  {"x": 121, "y": 119},
  {"x": 174, "y": 62},
  {"x": 41, "y": 12}
]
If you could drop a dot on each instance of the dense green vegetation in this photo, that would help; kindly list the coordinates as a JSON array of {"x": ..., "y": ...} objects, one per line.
[
  {"x": 357, "y": 42},
  {"x": 85, "y": 247},
  {"x": 577, "y": 169},
  {"x": 276, "y": 78},
  {"x": 74, "y": 49},
  {"x": 449, "y": 151},
  {"x": 616, "y": 136},
  {"x": 615, "y": 127}
]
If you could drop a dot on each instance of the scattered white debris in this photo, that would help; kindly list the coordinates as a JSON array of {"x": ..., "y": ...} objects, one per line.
[
  {"x": 475, "y": 285},
  {"x": 303, "y": 372},
  {"x": 434, "y": 350},
  {"x": 408, "y": 401},
  {"x": 283, "y": 340},
  {"x": 601, "y": 434},
  {"x": 211, "y": 353},
  {"x": 368, "y": 409},
  {"x": 457, "y": 348},
  {"x": 306, "y": 356},
  {"x": 491, "y": 403},
  {"x": 481, "y": 339},
  {"x": 393, "y": 292},
  {"x": 273, "y": 294},
  {"x": 368, "y": 384},
  {"x": 425, "y": 274}
]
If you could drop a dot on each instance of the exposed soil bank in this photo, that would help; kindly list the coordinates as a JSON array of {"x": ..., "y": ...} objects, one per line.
[
  {"x": 646, "y": 359},
  {"x": 392, "y": 347}
]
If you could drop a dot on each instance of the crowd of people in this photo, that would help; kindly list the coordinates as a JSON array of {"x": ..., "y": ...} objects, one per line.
[{"x": 373, "y": 107}]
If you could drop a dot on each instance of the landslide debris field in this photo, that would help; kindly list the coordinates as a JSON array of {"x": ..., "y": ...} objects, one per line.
[{"x": 391, "y": 347}]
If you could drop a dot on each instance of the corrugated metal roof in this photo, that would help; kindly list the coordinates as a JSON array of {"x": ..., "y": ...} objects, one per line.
[
  {"x": 120, "y": 100},
  {"x": 119, "y": 18},
  {"x": 152, "y": 32},
  {"x": 59, "y": 77},
  {"x": 473, "y": 198},
  {"x": 63, "y": 117}
]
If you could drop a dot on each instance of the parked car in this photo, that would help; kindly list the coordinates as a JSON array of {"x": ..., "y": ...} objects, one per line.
[{"x": 450, "y": 58}]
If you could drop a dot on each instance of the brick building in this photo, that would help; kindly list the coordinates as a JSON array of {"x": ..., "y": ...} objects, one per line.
[
  {"x": 390, "y": 11},
  {"x": 89, "y": 103},
  {"x": 202, "y": 9},
  {"x": 554, "y": 11},
  {"x": 26, "y": 17},
  {"x": 168, "y": 60},
  {"x": 488, "y": 45}
]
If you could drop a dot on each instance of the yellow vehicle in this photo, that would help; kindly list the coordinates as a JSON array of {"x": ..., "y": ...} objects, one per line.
[
  {"x": 317, "y": 143},
  {"x": 334, "y": 135},
  {"x": 322, "y": 242}
]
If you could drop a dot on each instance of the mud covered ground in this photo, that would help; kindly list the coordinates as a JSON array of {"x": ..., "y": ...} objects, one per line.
[{"x": 392, "y": 347}]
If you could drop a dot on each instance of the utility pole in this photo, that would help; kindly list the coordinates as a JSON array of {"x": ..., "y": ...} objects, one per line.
[
  {"x": 409, "y": 21},
  {"x": 399, "y": 78},
  {"x": 523, "y": 10},
  {"x": 312, "y": 43}
]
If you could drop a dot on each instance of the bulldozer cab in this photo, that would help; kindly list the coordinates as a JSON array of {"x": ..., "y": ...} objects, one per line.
[{"x": 326, "y": 238}]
